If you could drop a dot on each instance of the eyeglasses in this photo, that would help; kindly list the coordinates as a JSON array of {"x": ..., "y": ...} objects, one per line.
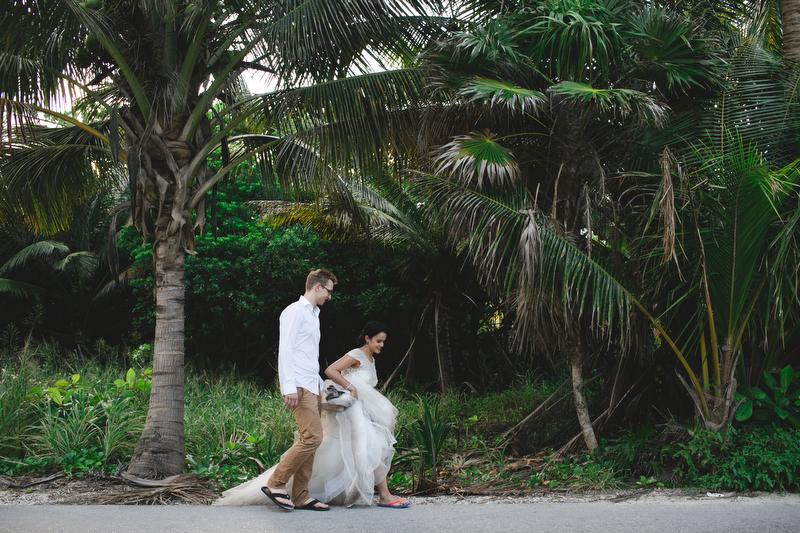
[{"x": 330, "y": 291}]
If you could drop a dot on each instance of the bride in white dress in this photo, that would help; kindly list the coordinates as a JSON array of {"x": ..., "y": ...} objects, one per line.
[{"x": 358, "y": 443}]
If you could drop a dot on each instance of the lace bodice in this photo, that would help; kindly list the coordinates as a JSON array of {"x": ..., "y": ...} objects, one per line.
[{"x": 365, "y": 372}]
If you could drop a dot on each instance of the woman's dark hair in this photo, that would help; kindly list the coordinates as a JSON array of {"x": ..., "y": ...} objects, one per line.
[{"x": 370, "y": 330}]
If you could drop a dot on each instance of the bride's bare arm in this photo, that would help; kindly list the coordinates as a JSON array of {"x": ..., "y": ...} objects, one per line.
[{"x": 334, "y": 373}]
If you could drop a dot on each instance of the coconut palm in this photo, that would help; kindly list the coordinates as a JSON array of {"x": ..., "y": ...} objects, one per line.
[
  {"x": 727, "y": 284},
  {"x": 725, "y": 256},
  {"x": 151, "y": 70}
]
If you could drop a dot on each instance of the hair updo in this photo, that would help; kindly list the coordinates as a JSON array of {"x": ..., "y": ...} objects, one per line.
[{"x": 370, "y": 330}]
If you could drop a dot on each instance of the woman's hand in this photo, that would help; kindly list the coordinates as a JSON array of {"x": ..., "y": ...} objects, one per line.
[{"x": 353, "y": 391}]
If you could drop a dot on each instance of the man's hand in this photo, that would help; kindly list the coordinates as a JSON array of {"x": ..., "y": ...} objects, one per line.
[{"x": 290, "y": 400}]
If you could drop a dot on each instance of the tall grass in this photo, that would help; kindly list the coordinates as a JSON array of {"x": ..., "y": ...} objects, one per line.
[
  {"x": 18, "y": 410},
  {"x": 228, "y": 421}
]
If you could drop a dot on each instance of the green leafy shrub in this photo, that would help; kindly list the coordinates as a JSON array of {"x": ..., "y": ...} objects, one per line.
[
  {"x": 513, "y": 404},
  {"x": 756, "y": 458},
  {"x": 641, "y": 452},
  {"x": 79, "y": 423},
  {"x": 28, "y": 465},
  {"x": 782, "y": 400},
  {"x": 77, "y": 462}
]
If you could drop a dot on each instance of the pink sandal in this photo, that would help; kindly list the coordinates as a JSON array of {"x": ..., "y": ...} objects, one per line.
[{"x": 393, "y": 506}]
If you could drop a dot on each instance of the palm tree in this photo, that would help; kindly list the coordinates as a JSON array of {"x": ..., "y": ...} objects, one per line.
[
  {"x": 727, "y": 245},
  {"x": 551, "y": 102},
  {"x": 790, "y": 24},
  {"x": 151, "y": 69},
  {"x": 727, "y": 282}
]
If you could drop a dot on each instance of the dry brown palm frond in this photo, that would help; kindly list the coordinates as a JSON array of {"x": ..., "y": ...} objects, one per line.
[
  {"x": 666, "y": 202},
  {"x": 189, "y": 493}
]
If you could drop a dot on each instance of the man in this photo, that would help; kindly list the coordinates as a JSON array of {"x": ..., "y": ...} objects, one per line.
[{"x": 300, "y": 382}]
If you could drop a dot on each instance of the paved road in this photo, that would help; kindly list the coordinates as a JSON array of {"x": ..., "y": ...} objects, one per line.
[{"x": 689, "y": 516}]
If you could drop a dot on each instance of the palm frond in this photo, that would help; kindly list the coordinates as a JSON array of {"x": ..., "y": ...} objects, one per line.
[
  {"x": 476, "y": 159},
  {"x": 44, "y": 180},
  {"x": 575, "y": 42},
  {"x": 84, "y": 263},
  {"x": 19, "y": 289},
  {"x": 336, "y": 35},
  {"x": 42, "y": 250},
  {"x": 39, "y": 39},
  {"x": 502, "y": 93},
  {"x": 673, "y": 53},
  {"x": 759, "y": 103},
  {"x": 357, "y": 122},
  {"x": 623, "y": 103},
  {"x": 741, "y": 202}
]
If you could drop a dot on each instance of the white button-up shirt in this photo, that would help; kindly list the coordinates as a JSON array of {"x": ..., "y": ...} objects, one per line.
[{"x": 298, "y": 351}]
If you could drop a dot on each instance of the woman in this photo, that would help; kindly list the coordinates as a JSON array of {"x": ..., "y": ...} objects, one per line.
[{"x": 357, "y": 446}]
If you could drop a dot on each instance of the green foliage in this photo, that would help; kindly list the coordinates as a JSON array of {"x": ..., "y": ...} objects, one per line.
[
  {"x": 29, "y": 465},
  {"x": 229, "y": 423},
  {"x": 782, "y": 401},
  {"x": 399, "y": 481},
  {"x": 645, "y": 482},
  {"x": 636, "y": 452},
  {"x": 429, "y": 435},
  {"x": 17, "y": 406},
  {"x": 583, "y": 473},
  {"x": 758, "y": 458},
  {"x": 89, "y": 420},
  {"x": 512, "y": 404},
  {"x": 78, "y": 462},
  {"x": 78, "y": 423}
]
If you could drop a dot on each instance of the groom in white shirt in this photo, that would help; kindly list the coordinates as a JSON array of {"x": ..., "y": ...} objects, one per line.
[{"x": 300, "y": 382}]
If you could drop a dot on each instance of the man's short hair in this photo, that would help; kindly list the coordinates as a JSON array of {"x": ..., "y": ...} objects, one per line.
[{"x": 320, "y": 276}]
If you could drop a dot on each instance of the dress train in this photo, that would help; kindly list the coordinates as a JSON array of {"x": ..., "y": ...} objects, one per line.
[{"x": 355, "y": 454}]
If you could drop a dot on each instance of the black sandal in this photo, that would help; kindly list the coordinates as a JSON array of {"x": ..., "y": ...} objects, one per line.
[
  {"x": 311, "y": 506},
  {"x": 274, "y": 497}
]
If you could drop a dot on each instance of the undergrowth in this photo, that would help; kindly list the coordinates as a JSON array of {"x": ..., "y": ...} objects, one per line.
[{"x": 79, "y": 418}]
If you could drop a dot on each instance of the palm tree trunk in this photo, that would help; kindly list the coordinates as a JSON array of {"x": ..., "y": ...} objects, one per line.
[
  {"x": 580, "y": 398},
  {"x": 161, "y": 450},
  {"x": 790, "y": 23}
]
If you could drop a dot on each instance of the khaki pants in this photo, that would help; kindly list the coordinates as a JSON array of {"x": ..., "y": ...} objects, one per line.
[{"x": 299, "y": 459}]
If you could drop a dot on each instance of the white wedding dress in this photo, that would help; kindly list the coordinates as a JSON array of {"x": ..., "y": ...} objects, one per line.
[{"x": 356, "y": 451}]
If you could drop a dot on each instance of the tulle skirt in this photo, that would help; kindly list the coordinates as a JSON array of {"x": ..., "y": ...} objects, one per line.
[{"x": 355, "y": 455}]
